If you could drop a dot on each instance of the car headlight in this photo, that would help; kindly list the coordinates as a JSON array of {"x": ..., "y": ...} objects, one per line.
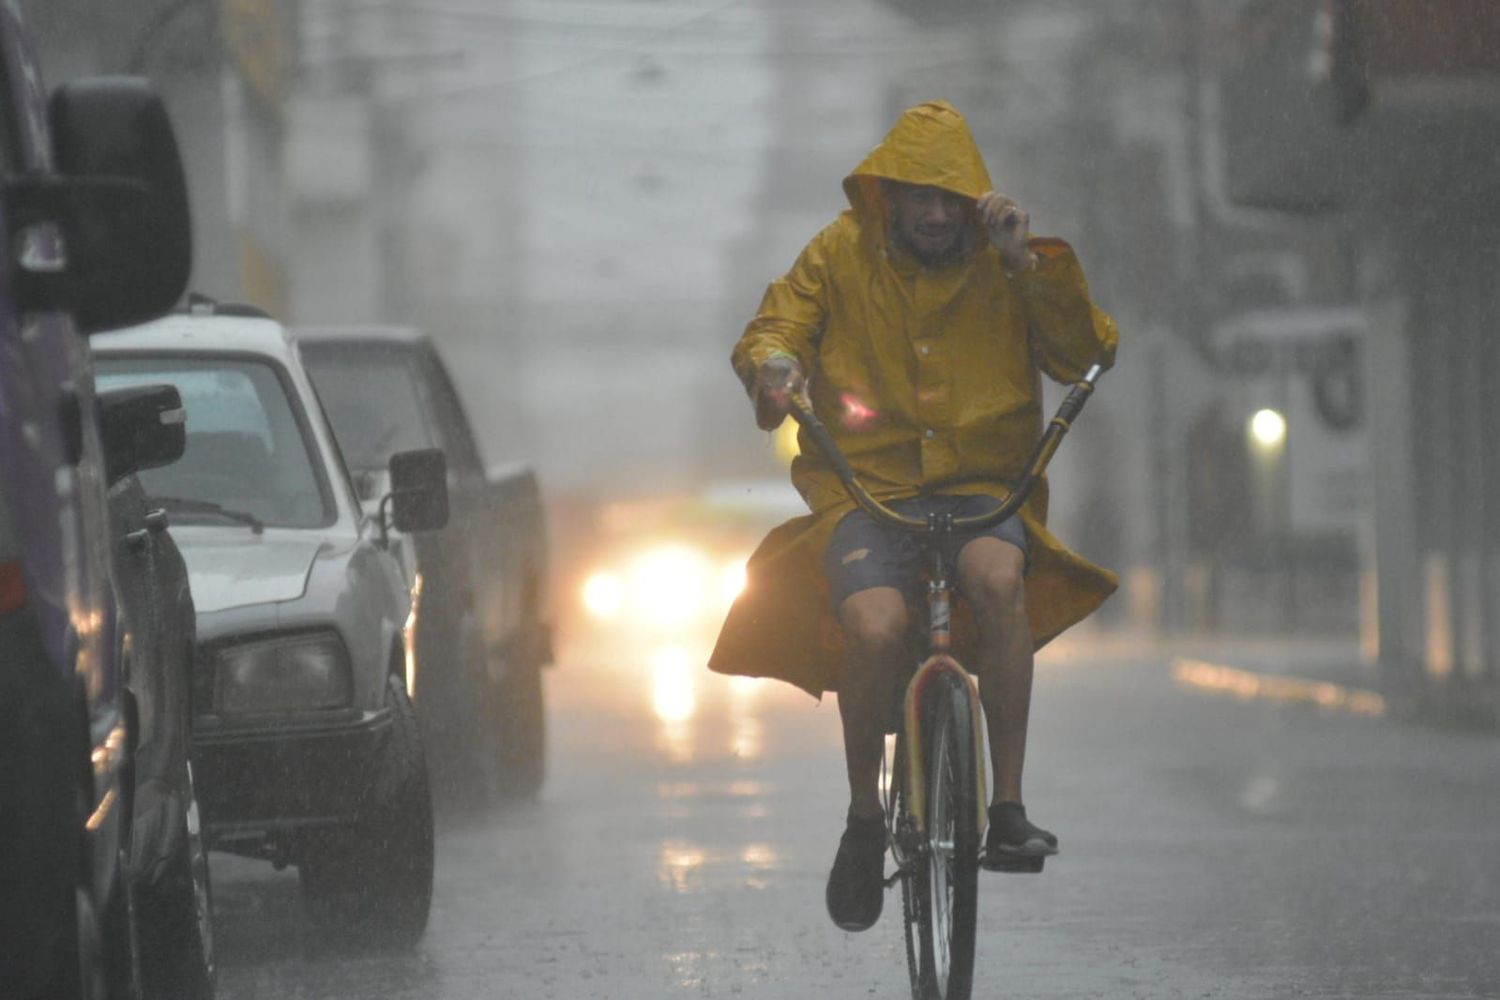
[
  {"x": 604, "y": 596},
  {"x": 668, "y": 585},
  {"x": 665, "y": 586},
  {"x": 289, "y": 673}
]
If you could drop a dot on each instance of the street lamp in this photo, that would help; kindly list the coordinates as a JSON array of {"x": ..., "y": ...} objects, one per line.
[
  {"x": 1272, "y": 478},
  {"x": 1268, "y": 430}
]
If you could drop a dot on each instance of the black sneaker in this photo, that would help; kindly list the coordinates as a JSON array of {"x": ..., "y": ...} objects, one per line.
[
  {"x": 856, "y": 885},
  {"x": 1014, "y": 843}
]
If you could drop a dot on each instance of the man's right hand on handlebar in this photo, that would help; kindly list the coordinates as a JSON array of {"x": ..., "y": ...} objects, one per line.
[{"x": 777, "y": 381}]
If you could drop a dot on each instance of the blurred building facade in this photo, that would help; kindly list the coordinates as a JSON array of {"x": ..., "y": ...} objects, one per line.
[{"x": 1385, "y": 117}]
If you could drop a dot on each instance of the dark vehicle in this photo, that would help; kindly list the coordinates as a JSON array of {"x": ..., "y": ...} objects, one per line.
[
  {"x": 95, "y": 224},
  {"x": 306, "y": 746},
  {"x": 142, "y": 428},
  {"x": 483, "y": 636}
]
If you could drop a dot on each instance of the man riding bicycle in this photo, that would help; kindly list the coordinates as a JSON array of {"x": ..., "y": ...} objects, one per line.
[{"x": 917, "y": 324}]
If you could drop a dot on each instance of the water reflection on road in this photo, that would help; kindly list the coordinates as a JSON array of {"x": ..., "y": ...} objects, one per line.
[{"x": 1214, "y": 846}]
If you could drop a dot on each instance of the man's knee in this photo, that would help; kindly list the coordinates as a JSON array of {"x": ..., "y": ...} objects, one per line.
[
  {"x": 875, "y": 622},
  {"x": 994, "y": 580}
]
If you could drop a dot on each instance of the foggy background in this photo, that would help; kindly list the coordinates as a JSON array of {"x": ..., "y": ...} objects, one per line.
[{"x": 1288, "y": 205}]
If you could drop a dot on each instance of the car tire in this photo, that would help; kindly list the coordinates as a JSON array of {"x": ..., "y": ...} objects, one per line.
[
  {"x": 375, "y": 878},
  {"x": 174, "y": 918},
  {"x": 119, "y": 945},
  {"x": 460, "y": 724},
  {"x": 523, "y": 739},
  {"x": 97, "y": 958}
]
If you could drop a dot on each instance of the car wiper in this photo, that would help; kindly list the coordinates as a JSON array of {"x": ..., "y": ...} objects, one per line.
[{"x": 208, "y": 507}]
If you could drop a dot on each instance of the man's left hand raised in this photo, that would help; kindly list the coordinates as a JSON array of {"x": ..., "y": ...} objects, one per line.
[{"x": 1009, "y": 228}]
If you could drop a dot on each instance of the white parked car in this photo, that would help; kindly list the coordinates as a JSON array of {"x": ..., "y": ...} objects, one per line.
[{"x": 306, "y": 748}]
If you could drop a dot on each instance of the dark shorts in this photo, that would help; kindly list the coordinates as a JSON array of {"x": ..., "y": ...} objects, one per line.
[{"x": 892, "y": 557}]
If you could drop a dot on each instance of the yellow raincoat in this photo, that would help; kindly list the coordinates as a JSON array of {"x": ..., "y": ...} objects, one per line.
[{"x": 928, "y": 379}]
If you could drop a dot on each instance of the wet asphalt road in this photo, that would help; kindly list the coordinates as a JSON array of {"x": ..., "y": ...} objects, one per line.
[{"x": 1213, "y": 847}]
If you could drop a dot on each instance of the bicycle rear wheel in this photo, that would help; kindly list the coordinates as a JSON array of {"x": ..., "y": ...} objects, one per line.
[{"x": 941, "y": 897}]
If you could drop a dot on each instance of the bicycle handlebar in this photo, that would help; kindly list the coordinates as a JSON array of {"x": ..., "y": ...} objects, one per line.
[{"x": 1061, "y": 423}]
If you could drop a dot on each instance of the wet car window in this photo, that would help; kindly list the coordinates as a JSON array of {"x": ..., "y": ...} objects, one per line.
[
  {"x": 373, "y": 404},
  {"x": 247, "y": 447}
]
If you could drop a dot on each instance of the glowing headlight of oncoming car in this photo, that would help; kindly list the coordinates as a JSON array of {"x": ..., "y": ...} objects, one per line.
[
  {"x": 665, "y": 586},
  {"x": 289, "y": 673}
]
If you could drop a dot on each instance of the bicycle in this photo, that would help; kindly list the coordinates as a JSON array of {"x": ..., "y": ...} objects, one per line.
[{"x": 933, "y": 802}]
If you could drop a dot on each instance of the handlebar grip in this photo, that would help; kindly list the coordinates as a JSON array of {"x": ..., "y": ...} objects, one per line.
[{"x": 1072, "y": 405}]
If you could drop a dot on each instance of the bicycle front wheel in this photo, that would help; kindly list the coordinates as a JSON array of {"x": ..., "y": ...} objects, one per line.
[{"x": 945, "y": 886}]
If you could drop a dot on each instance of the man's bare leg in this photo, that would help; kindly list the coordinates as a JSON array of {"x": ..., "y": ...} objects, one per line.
[
  {"x": 875, "y": 628},
  {"x": 990, "y": 573}
]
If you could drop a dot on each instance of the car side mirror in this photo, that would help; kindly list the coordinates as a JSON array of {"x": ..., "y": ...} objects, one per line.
[
  {"x": 118, "y": 202},
  {"x": 142, "y": 427},
  {"x": 419, "y": 491}
]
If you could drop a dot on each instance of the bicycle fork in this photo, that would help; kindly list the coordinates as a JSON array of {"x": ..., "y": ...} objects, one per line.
[
  {"x": 916, "y": 782},
  {"x": 909, "y": 838}
]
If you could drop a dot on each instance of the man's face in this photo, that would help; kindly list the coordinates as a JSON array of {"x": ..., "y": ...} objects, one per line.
[{"x": 930, "y": 221}]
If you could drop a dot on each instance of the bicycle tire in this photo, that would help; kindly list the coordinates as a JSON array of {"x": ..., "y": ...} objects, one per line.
[
  {"x": 910, "y": 896},
  {"x": 946, "y": 883}
]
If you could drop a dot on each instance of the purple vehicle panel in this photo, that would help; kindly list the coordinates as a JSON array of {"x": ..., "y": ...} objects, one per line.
[{"x": 68, "y": 265}]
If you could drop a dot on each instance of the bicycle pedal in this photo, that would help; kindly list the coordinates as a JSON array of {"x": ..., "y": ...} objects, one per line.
[{"x": 1013, "y": 865}]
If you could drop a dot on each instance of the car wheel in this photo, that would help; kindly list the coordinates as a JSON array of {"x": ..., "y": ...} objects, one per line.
[
  {"x": 523, "y": 751},
  {"x": 119, "y": 975},
  {"x": 98, "y": 959},
  {"x": 103, "y": 948},
  {"x": 174, "y": 917},
  {"x": 376, "y": 877},
  {"x": 460, "y": 726}
]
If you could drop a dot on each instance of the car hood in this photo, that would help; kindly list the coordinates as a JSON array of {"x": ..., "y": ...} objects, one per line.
[{"x": 233, "y": 571}]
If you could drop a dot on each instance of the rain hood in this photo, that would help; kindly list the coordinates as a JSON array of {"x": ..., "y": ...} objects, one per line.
[{"x": 929, "y": 145}]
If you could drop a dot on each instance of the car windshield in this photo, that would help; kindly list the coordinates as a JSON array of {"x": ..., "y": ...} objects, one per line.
[
  {"x": 373, "y": 401},
  {"x": 248, "y": 448}
]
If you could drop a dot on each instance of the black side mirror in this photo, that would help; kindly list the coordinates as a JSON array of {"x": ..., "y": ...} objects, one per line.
[
  {"x": 419, "y": 490},
  {"x": 119, "y": 201},
  {"x": 142, "y": 427}
]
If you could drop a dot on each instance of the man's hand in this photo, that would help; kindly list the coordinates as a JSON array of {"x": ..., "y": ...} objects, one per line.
[
  {"x": 1009, "y": 227},
  {"x": 776, "y": 382}
]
